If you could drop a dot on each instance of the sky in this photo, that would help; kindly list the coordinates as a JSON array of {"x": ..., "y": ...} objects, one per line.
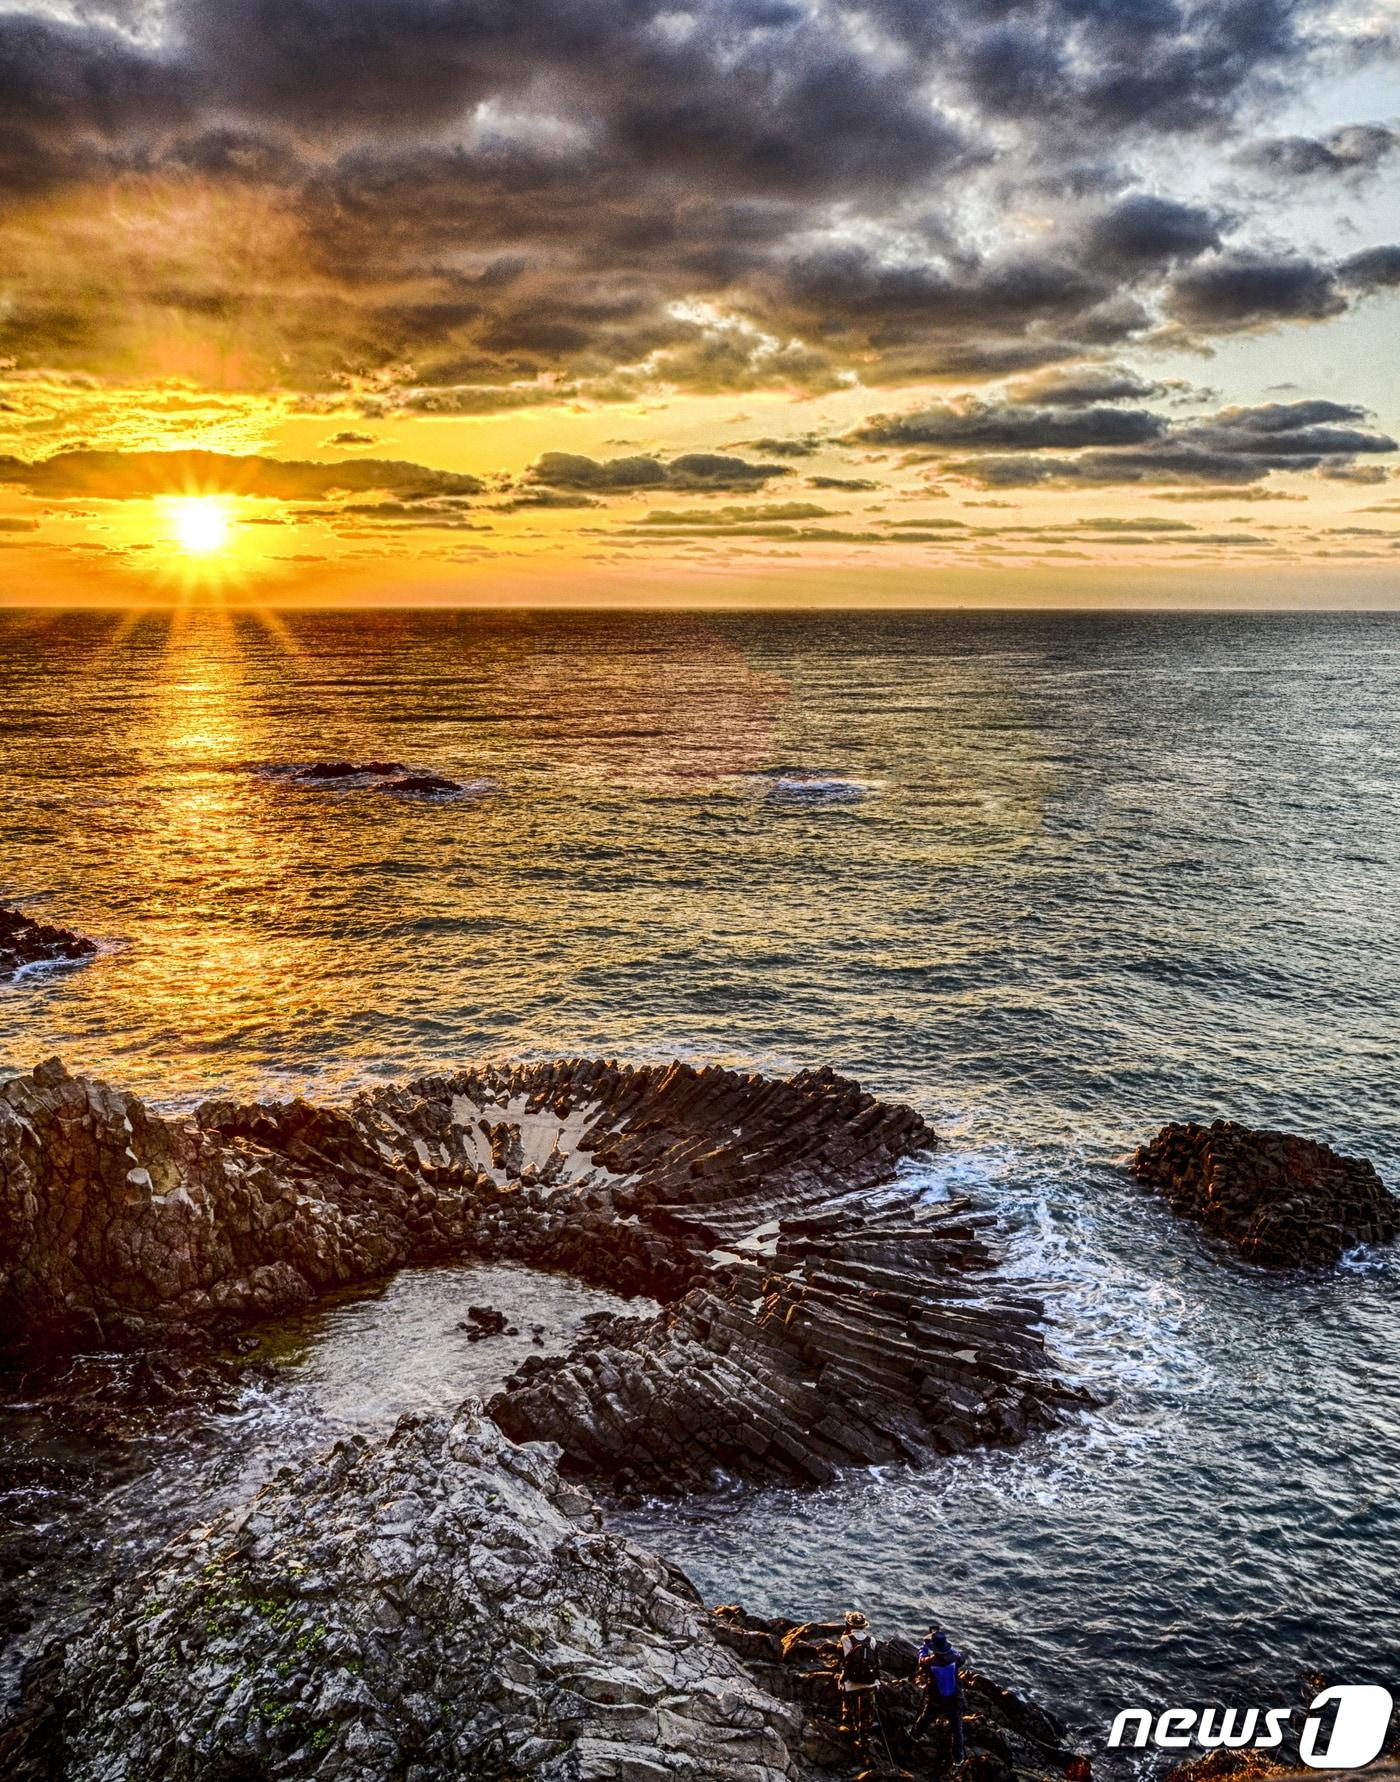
[{"x": 727, "y": 302}]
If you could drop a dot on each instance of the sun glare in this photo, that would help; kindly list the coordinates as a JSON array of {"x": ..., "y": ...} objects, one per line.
[{"x": 199, "y": 524}]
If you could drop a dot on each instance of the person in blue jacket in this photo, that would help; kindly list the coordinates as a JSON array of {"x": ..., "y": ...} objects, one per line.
[{"x": 937, "y": 1673}]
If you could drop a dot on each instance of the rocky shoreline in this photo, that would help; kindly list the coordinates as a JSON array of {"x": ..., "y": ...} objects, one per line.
[
  {"x": 445, "y": 1604},
  {"x": 814, "y": 1312},
  {"x": 448, "y": 1603}
]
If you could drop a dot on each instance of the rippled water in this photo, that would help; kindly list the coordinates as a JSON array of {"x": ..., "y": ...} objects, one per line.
[{"x": 1053, "y": 878}]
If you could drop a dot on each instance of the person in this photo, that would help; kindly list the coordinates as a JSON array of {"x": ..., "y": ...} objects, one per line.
[
  {"x": 937, "y": 1672},
  {"x": 859, "y": 1676}
]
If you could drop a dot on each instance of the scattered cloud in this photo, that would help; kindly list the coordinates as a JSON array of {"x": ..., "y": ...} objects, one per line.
[
  {"x": 715, "y": 471},
  {"x": 1349, "y": 153},
  {"x": 117, "y": 476}
]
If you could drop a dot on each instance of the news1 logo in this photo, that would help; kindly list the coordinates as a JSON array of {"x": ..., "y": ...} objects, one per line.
[{"x": 1359, "y": 1724}]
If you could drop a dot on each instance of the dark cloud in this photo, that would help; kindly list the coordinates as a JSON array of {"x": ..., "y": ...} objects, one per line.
[
  {"x": 1233, "y": 446},
  {"x": 986, "y": 426},
  {"x": 1074, "y": 386},
  {"x": 1242, "y": 289},
  {"x": 1375, "y": 269},
  {"x": 806, "y": 445},
  {"x": 545, "y": 498},
  {"x": 855, "y": 484},
  {"x": 460, "y": 207},
  {"x": 348, "y": 438},
  {"x": 116, "y": 475},
  {"x": 691, "y": 470},
  {"x": 1356, "y": 149},
  {"x": 1142, "y": 230}
]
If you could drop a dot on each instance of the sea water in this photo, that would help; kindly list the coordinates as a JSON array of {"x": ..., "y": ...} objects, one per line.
[{"x": 1052, "y": 878}]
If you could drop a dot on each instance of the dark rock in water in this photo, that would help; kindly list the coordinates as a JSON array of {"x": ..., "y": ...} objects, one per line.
[
  {"x": 349, "y": 770},
  {"x": 1282, "y": 1201},
  {"x": 420, "y": 783},
  {"x": 813, "y": 1315},
  {"x": 484, "y": 1321},
  {"x": 444, "y": 1604},
  {"x": 438, "y": 1605},
  {"x": 26, "y": 942},
  {"x": 1005, "y": 1737}
]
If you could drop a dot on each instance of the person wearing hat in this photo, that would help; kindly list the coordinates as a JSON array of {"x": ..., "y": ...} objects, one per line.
[
  {"x": 859, "y": 1676},
  {"x": 937, "y": 1672}
]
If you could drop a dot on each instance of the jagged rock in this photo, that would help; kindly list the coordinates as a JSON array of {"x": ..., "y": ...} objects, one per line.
[
  {"x": 1282, "y": 1201},
  {"x": 483, "y": 1321},
  {"x": 349, "y": 770},
  {"x": 1006, "y": 1737},
  {"x": 26, "y": 942},
  {"x": 813, "y": 1314},
  {"x": 439, "y": 1605}
]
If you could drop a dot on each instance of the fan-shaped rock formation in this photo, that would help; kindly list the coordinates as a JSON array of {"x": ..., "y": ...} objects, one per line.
[
  {"x": 815, "y": 1312},
  {"x": 1282, "y": 1201},
  {"x": 26, "y": 942}
]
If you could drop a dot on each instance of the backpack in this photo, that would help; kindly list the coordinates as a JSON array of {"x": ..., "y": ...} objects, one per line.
[{"x": 860, "y": 1664}]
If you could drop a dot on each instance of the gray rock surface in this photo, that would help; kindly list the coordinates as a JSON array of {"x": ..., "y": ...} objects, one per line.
[{"x": 437, "y": 1605}]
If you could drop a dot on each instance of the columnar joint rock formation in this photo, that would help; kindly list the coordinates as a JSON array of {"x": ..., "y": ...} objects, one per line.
[
  {"x": 1282, "y": 1201},
  {"x": 26, "y": 942},
  {"x": 815, "y": 1311}
]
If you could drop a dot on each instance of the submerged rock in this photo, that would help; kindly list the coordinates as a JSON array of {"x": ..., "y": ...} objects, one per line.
[
  {"x": 349, "y": 770},
  {"x": 813, "y": 1314},
  {"x": 421, "y": 783},
  {"x": 26, "y": 942},
  {"x": 1282, "y": 1201},
  {"x": 439, "y": 1605}
]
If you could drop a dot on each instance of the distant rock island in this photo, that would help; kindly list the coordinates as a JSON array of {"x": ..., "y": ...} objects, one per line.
[
  {"x": 378, "y": 776},
  {"x": 26, "y": 942},
  {"x": 1282, "y": 1201},
  {"x": 816, "y": 1311}
]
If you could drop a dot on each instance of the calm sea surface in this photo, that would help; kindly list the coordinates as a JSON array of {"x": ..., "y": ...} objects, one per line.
[{"x": 1052, "y": 878}]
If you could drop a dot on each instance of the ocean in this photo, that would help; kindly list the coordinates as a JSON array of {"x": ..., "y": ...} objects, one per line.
[{"x": 1053, "y": 878}]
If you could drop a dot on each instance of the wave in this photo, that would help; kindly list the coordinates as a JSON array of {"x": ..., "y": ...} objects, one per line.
[{"x": 798, "y": 787}]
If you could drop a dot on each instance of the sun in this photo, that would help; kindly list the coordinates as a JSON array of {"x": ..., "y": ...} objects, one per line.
[{"x": 200, "y": 525}]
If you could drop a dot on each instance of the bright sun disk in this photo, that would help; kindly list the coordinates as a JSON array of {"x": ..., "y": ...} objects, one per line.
[{"x": 200, "y": 523}]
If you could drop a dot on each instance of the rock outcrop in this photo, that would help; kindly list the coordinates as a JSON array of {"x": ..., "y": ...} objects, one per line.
[
  {"x": 445, "y": 1605},
  {"x": 26, "y": 942},
  {"x": 1282, "y": 1201},
  {"x": 815, "y": 1312},
  {"x": 1005, "y": 1736},
  {"x": 440, "y": 1605},
  {"x": 378, "y": 776},
  {"x": 855, "y": 1337}
]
